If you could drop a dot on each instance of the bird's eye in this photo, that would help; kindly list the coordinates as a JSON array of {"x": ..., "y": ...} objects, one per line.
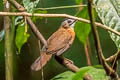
[{"x": 69, "y": 21}]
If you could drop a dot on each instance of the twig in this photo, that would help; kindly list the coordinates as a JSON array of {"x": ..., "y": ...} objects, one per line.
[
  {"x": 115, "y": 66},
  {"x": 88, "y": 46},
  {"x": 115, "y": 63},
  {"x": 61, "y": 7},
  {"x": 36, "y": 31},
  {"x": 112, "y": 58},
  {"x": 39, "y": 46},
  {"x": 58, "y": 15},
  {"x": 87, "y": 52},
  {"x": 17, "y": 5},
  {"x": 70, "y": 65}
]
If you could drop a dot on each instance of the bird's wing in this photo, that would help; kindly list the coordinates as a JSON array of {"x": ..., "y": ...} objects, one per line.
[{"x": 58, "y": 41}]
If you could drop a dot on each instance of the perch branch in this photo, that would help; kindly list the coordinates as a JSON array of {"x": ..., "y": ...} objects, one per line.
[
  {"x": 58, "y": 15},
  {"x": 67, "y": 63},
  {"x": 36, "y": 31},
  {"x": 70, "y": 65}
]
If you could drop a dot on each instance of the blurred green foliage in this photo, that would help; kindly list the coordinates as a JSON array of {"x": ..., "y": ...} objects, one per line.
[
  {"x": 78, "y": 1},
  {"x": 1, "y": 5},
  {"x": 93, "y": 72},
  {"x": 82, "y": 29}
]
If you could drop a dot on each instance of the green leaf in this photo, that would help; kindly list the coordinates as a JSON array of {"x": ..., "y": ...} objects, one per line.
[
  {"x": 109, "y": 13},
  {"x": 29, "y": 6},
  {"x": 21, "y": 36},
  {"x": 82, "y": 30},
  {"x": 64, "y": 76},
  {"x": 95, "y": 73},
  {"x": 98, "y": 74},
  {"x": 1, "y": 5},
  {"x": 81, "y": 73}
]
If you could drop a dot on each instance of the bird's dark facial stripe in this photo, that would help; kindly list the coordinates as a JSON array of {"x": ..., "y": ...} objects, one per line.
[
  {"x": 69, "y": 21},
  {"x": 73, "y": 22}
]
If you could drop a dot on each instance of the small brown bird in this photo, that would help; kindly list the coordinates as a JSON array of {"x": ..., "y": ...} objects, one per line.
[{"x": 58, "y": 43}]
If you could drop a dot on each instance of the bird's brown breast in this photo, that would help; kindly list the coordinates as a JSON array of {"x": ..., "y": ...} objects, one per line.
[{"x": 60, "y": 39}]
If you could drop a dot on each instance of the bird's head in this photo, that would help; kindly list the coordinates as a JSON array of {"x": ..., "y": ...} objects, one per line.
[{"x": 68, "y": 23}]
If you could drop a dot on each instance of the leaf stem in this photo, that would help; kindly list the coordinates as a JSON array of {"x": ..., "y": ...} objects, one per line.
[
  {"x": 87, "y": 52},
  {"x": 61, "y": 7}
]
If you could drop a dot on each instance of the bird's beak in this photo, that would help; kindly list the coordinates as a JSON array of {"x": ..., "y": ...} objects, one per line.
[{"x": 74, "y": 22}]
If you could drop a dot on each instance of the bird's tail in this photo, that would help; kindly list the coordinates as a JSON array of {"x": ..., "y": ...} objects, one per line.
[{"x": 41, "y": 61}]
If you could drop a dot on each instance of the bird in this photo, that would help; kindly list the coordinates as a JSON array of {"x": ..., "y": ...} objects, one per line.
[{"x": 57, "y": 43}]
